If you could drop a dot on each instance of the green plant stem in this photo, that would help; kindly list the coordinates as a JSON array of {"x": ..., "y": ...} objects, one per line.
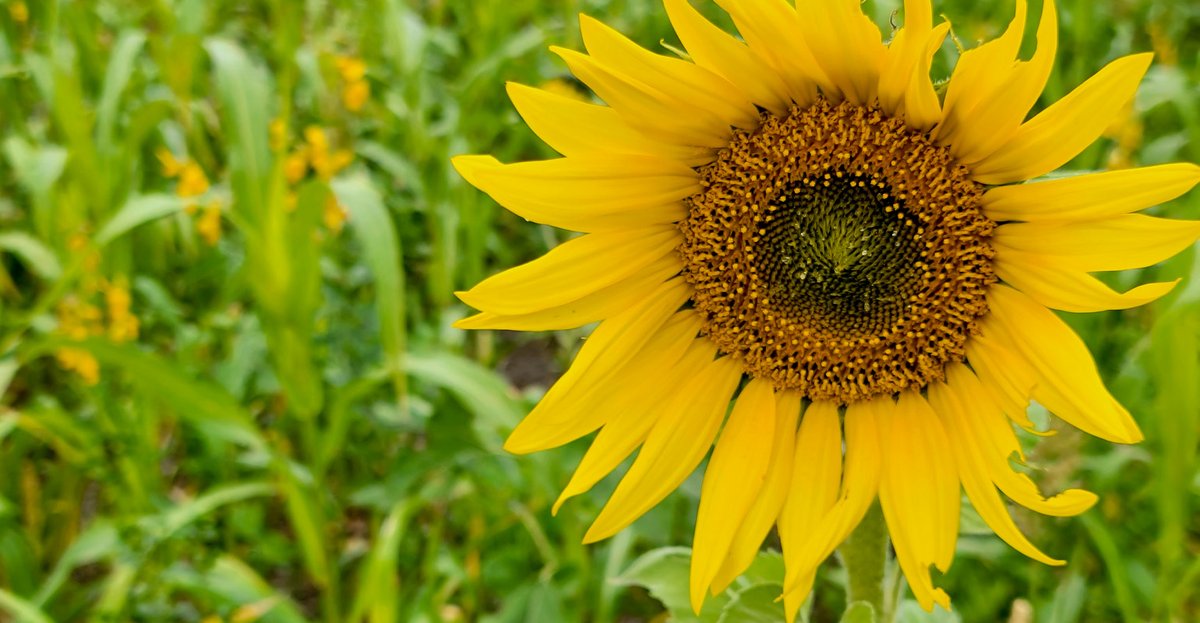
[{"x": 864, "y": 555}]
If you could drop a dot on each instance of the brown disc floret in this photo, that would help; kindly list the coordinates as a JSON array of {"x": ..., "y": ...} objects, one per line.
[{"x": 838, "y": 252}]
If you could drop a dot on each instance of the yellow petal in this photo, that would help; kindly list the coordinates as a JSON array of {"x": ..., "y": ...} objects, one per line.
[
  {"x": 681, "y": 436},
  {"x": 1117, "y": 243},
  {"x": 1069, "y": 385},
  {"x": 647, "y": 108},
  {"x": 633, "y": 412},
  {"x": 1067, "y": 289},
  {"x": 904, "y": 53},
  {"x": 859, "y": 487},
  {"x": 575, "y": 128},
  {"x": 845, "y": 43},
  {"x": 963, "y": 408},
  {"x": 995, "y": 120},
  {"x": 1091, "y": 196},
  {"x": 765, "y": 510},
  {"x": 919, "y": 493},
  {"x": 717, "y": 51},
  {"x": 922, "y": 108},
  {"x": 679, "y": 79},
  {"x": 1060, "y": 132},
  {"x": 978, "y": 76},
  {"x": 772, "y": 29},
  {"x": 611, "y": 346},
  {"x": 736, "y": 473},
  {"x": 816, "y": 479},
  {"x": 603, "y": 303},
  {"x": 572, "y": 270},
  {"x": 590, "y": 193},
  {"x": 1007, "y": 380}
]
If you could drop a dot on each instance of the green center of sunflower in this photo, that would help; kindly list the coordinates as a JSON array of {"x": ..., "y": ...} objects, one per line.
[{"x": 838, "y": 252}]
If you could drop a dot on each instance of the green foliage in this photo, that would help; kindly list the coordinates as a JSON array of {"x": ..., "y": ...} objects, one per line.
[{"x": 269, "y": 417}]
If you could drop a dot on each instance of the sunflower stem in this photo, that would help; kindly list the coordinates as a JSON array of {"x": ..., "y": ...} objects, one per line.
[{"x": 864, "y": 555}]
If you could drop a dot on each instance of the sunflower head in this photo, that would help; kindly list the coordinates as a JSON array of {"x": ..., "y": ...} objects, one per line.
[{"x": 795, "y": 222}]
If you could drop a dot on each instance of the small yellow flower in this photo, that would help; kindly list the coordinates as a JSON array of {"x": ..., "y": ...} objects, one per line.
[
  {"x": 209, "y": 224},
  {"x": 78, "y": 320},
  {"x": 171, "y": 166},
  {"x": 1126, "y": 131},
  {"x": 355, "y": 95},
  {"x": 192, "y": 181},
  {"x": 289, "y": 201},
  {"x": 324, "y": 163},
  {"x": 351, "y": 68},
  {"x": 317, "y": 141},
  {"x": 80, "y": 362},
  {"x": 19, "y": 12},
  {"x": 1164, "y": 46},
  {"x": 334, "y": 215},
  {"x": 122, "y": 324},
  {"x": 295, "y": 166},
  {"x": 277, "y": 134}
]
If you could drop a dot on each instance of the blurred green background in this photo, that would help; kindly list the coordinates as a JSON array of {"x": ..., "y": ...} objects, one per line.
[{"x": 229, "y": 389}]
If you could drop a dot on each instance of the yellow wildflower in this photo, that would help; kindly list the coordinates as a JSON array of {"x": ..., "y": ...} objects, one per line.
[
  {"x": 295, "y": 166},
  {"x": 289, "y": 201},
  {"x": 80, "y": 362},
  {"x": 351, "y": 68},
  {"x": 192, "y": 181},
  {"x": 78, "y": 320},
  {"x": 1126, "y": 131},
  {"x": 19, "y": 12},
  {"x": 334, "y": 215},
  {"x": 325, "y": 164},
  {"x": 317, "y": 141},
  {"x": 122, "y": 325},
  {"x": 355, "y": 88},
  {"x": 277, "y": 134},
  {"x": 209, "y": 223},
  {"x": 171, "y": 166},
  {"x": 355, "y": 95},
  {"x": 1163, "y": 44}
]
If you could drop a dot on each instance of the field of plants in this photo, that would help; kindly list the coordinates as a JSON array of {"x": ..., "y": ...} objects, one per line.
[{"x": 230, "y": 237}]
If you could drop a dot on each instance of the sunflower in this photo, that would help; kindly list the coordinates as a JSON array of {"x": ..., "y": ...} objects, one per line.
[{"x": 800, "y": 224}]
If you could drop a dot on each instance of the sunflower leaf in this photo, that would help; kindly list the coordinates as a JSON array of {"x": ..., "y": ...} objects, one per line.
[{"x": 663, "y": 572}]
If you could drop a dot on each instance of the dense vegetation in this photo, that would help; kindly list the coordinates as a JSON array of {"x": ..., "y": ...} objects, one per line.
[{"x": 229, "y": 389}]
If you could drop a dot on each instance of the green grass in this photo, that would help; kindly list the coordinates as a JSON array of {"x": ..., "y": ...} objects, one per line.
[{"x": 297, "y": 434}]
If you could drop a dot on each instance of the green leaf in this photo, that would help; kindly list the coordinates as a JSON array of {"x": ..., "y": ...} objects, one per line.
[
  {"x": 120, "y": 69},
  {"x": 757, "y": 604},
  {"x": 664, "y": 572},
  {"x": 379, "y": 585},
  {"x": 236, "y": 584},
  {"x": 176, "y": 517},
  {"x": 306, "y": 518},
  {"x": 36, "y": 255},
  {"x": 476, "y": 387},
  {"x": 8, "y": 369},
  {"x": 859, "y": 612},
  {"x": 376, "y": 233},
  {"x": 38, "y": 167},
  {"x": 135, "y": 212},
  {"x": 911, "y": 612},
  {"x": 203, "y": 405},
  {"x": 98, "y": 542},
  {"x": 21, "y": 610},
  {"x": 243, "y": 90}
]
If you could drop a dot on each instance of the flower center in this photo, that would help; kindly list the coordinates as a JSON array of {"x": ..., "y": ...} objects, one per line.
[{"x": 838, "y": 252}]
